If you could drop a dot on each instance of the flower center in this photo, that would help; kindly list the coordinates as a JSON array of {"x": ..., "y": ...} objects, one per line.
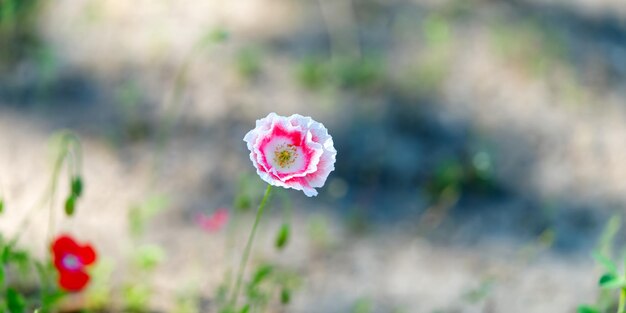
[
  {"x": 285, "y": 155},
  {"x": 71, "y": 262}
]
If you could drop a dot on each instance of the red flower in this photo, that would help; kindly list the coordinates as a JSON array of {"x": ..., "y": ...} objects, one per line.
[
  {"x": 71, "y": 260},
  {"x": 214, "y": 222}
]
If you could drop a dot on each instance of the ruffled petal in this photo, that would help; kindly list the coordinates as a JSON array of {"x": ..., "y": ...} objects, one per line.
[
  {"x": 309, "y": 147},
  {"x": 300, "y": 183},
  {"x": 325, "y": 166}
]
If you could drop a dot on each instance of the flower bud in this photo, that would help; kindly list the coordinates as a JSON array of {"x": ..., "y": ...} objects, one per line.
[
  {"x": 77, "y": 186},
  {"x": 283, "y": 237},
  {"x": 70, "y": 205}
]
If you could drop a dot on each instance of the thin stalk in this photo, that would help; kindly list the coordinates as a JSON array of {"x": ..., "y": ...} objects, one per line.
[
  {"x": 340, "y": 22},
  {"x": 230, "y": 234},
  {"x": 53, "y": 188},
  {"x": 622, "y": 295},
  {"x": 70, "y": 147},
  {"x": 246, "y": 252},
  {"x": 173, "y": 106},
  {"x": 26, "y": 221}
]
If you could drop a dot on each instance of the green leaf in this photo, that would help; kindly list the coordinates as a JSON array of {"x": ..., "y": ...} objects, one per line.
[
  {"x": 606, "y": 278},
  {"x": 148, "y": 257},
  {"x": 22, "y": 259},
  {"x": 611, "y": 281},
  {"x": 249, "y": 62},
  {"x": 1, "y": 206},
  {"x": 285, "y": 296},
  {"x": 283, "y": 237},
  {"x": 15, "y": 301},
  {"x": 605, "y": 262},
  {"x": 154, "y": 204},
  {"x": 227, "y": 309},
  {"x": 245, "y": 309},
  {"x": 77, "y": 186},
  {"x": 5, "y": 257},
  {"x": 70, "y": 205},
  {"x": 605, "y": 245},
  {"x": 261, "y": 274},
  {"x": 136, "y": 297},
  {"x": 243, "y": 202},
  {"x": 136, "y": 221},
  {"x": 43, "y": 274},
  {"x": 587, "y": 309},
  {"x": 50, "y": 299},
  {"x": 215, "y": 36},
  {"x": 363, "y": 305}
]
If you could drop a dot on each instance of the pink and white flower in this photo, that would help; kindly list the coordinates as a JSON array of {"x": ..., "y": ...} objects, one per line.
[{"x": 292, "y": 152}]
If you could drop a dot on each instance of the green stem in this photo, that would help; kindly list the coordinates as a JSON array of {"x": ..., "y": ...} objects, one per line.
[
  {"x": 622, "y": 301},
  {"x": 69, "y": 147},
  {"x": 74, "y": 157},
  {"x": 246, "y": 252},
  {"x": 622, "y": 294},
  {"x": 53, "y": 188},
  {"x": 173, "y": 107}
]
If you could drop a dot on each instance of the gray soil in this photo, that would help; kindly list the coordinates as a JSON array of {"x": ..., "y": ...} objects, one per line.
[{"x": 531, "y": 91}]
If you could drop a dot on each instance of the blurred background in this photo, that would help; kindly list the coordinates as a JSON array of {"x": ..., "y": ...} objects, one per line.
[{"x": 481, "y": 143}]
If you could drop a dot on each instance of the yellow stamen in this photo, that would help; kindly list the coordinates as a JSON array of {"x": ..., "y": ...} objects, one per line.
[{"x": 285, "y": 155}]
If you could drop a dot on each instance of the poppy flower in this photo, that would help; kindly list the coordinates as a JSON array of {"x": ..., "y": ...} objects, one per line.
[
  {"x": 71, "y": 260},
  {"x": 214, "y": 222},
  {"x": 292, "y": 152}
]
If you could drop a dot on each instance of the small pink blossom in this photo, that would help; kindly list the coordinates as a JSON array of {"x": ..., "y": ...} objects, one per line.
[
  {"x": 214, "y": 222},
  {"x": 292, "y": 152}
]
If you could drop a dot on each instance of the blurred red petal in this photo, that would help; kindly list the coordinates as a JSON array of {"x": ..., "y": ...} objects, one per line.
[
  {"x": 86, "y": 254},
  {"x": 63, "y": 244},
  {"x": 73, "y": 280}
]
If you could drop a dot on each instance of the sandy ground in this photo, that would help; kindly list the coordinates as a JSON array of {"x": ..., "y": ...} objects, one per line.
[{"x": 556, "y": 140}]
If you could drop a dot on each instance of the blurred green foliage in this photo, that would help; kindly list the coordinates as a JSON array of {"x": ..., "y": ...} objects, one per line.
[
  {"x": 587, "y": 309},
  {"x": 479, "y": 293},
  {"x": 456, "y": 174},
  {"x": 99, "y": 293},
  {"x": 148, "y": 257},
  {"x": 24, "y": 289},
  {"x": 218, "y": 35},
  {"x": 269, "y": 284},
  {"x": 282, "y": 238},
  {"x": 532, "y": 46},
  {"x": 248, "y": 63},
  {"x": 247, "y": 189},
  {"x": 139, "y": 215},
  {"x": 318, "y": 231},
  {"x": 135, "y": 124},
  {"x": 426, "y": 73},
  {"x": 612, "y": 279},
  {"x": 341, "y": 72},
  {"x": 363, "y": 305},
  {"x": 188, "y": 301},
  {"x": 18, "y": 36},
  {"x": 137, "y": 297},
  {"x": 139, "y": 288}
]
